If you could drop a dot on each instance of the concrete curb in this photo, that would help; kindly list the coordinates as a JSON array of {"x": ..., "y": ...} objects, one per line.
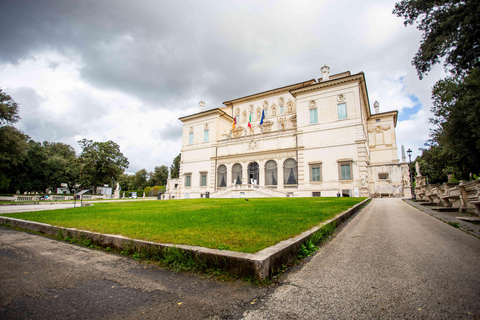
[{"x": 261, "y": 265}]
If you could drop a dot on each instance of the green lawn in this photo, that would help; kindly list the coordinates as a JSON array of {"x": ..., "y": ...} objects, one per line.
[{"x": 233, "y": 224}]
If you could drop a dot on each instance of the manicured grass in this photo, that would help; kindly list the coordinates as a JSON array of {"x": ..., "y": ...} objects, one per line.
[{"x": 231, "y": 224}]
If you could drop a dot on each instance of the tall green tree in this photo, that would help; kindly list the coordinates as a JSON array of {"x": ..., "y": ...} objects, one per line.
[
  {"x": 141, "y": 177},
  {"x": 13, "y": 142},
  {"x": 451, "y": 31},
  {"x": 8, "y": 109},
  {"x": 100, "y": 162},
  {"x": 451, "y": 28},
  {"x": 456, "y": 106},
  {"x": 159, "y": 176},
  {"x": 61, "y": 165},
  {"x": 31, "y": 174},
  {"x": 175, "y": 167},
  {"x": 127, "y": 182}
]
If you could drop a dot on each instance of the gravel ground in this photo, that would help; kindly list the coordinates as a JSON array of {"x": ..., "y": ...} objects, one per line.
[
  {"x": 42, "y": 278},
  {"x": 390, "y": 261},
  {"x": 453, "y": 217}
]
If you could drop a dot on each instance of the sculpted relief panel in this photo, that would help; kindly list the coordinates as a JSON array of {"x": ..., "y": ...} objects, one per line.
[{"x": 380, "y": 135}]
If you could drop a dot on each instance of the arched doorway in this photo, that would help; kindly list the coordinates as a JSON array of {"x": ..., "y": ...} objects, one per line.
[
  {"x": 290, "y": 172},
  {"x": 253, "y": 173},
  {"x": 271, "y": 173},
  {"x": 237, "y": 173},
  {"x": 222, "y": 176}
]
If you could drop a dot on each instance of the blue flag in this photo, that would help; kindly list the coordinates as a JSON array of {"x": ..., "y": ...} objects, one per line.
[{"x": 263, "y": 117}]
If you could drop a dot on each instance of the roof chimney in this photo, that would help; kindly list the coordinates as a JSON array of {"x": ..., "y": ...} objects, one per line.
[
  {"x": 376, "y": 104},
  {"x": 325, "y": 73},
  {"x": 201, "y": 105}
]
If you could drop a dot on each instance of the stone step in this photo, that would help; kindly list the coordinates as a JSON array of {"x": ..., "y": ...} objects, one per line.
[
  {"x": 429, "y": 204},
  {"x": 445, "y": 209}
]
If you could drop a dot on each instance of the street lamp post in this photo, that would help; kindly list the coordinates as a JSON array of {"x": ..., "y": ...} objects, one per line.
[{"x": 409, "y": 152}]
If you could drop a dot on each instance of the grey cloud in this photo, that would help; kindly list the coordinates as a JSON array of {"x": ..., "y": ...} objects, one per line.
[
  {"x": 39, "y": 123},
  {"x": 171, "y": 131}
]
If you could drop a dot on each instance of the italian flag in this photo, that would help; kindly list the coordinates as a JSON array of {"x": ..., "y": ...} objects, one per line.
[{"x": 250, "y": 121}]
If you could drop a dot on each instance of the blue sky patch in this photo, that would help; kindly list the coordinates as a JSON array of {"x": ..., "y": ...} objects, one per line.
[{"x": 407, "y": 112}]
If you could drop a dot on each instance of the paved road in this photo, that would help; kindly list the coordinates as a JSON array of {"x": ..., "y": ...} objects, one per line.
[
  {"x": 34, "y": 207},
  {"x": 42, "y": 278},
  {"x": 389, "y": 261}
]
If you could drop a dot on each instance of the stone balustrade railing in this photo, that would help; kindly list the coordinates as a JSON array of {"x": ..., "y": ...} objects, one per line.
[
  {"x": 31, "y": 197},
  {"x": 464, "y": 196}
]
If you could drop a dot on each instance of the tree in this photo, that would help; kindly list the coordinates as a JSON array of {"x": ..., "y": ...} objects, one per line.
[
  {"x": 61, "y": 165},
  {"x": 127, "y": 182},
  {"x": 100, "y": 162},
  {"x": 141, "y": 179},
  {"x": 13, "y": 142},
  {"x": 435, "y": 163},
  {"x": 175, "y": 167},
  {"x": 31, "y": 174},
  {"x": 450, "y": 29},
  {"x": 159, "y": 176},
  {"x": 8, "y": 109},
  {"x": 456, "y": 106}
]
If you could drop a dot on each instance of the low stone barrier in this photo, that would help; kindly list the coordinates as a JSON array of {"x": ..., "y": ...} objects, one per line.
[
  {"x": 261, "y": 265},
  {"x": 464, "y": 196}
]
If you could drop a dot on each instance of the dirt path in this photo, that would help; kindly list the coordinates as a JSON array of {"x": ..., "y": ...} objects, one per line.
[
  {"x": 42, "y": 278},
  {"x": 390, "y": 261}
]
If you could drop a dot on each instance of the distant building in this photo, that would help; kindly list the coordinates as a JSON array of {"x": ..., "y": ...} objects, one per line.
[
  {"x": 313, "y": 138},
  {"x": 63, "y": 189},
  {"x": 105, "y": 190}
]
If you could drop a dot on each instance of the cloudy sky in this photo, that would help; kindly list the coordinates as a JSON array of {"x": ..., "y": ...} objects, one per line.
[{"x": 127, "y": 70}]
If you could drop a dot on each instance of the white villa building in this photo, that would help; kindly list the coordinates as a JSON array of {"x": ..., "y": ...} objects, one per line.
[{"x": 318, "y": 138}]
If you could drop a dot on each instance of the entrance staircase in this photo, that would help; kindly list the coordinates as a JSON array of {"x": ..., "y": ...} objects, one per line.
[{"x": 248, "y": 191}]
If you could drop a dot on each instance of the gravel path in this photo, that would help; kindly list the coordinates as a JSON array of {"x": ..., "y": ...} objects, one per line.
[
  {"x": 42, "y": 278},
  {"x": 390, "y": 261}
]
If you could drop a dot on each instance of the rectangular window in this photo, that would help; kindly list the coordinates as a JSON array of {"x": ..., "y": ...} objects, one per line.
[
  {"x": 188, "y": 181},
  {"x": 281, "y": 109},
  {"x": 316, "y": 194},
  {"x": 205, "y": 136},
  {"x": 345, "y": 171},
  {"x": 383, "y": 176},
  {"x": 313, "y": 116},
  {"x": 203, "y": 179},
  {"x": 187, "y": 195},
  {"x": 315, "y": 172},
  {"x": 190, "y": 138},
  {"x": 266, "y": 112},
  {"x": 342, "y": 111}
]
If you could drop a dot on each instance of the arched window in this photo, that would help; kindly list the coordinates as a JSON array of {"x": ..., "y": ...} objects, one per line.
[
  {"x": 253, "y": 173},
  {"x": 222, "y": 176},
  {"x": 271, "y": 173},
  {"x": 237, "y": 173},
  {"x": 290, "y": 172}
]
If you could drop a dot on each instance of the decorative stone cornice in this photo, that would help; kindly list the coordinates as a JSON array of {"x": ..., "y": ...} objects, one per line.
[
  {"x": 216, "y": 111},
  {"x": 387, "y": 114},
  {"x": 268, "y": 93},
  {"x": 330, "y": 83}
]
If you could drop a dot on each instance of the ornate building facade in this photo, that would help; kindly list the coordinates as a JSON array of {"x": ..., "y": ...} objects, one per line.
[{"x": 313, "y": 138}]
